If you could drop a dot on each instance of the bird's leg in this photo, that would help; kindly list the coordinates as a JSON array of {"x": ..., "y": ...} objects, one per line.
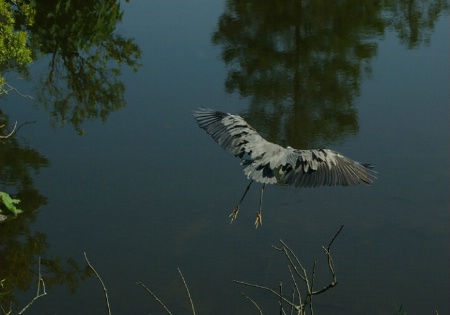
[
  {"x": 258, "y": 221},
  {"x": 234, "y": 214}
]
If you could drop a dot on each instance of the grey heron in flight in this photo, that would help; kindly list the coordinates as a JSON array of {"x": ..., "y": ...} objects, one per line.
[{"x": 269, "y": 163}]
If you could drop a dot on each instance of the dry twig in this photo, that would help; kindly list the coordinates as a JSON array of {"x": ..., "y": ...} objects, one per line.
[
  {"x": 268, "y": 289},
  {"x": 296, "y": 269},
  {"x": 161, "y": 303},
  {"x": 254, "y": 303},
  {"x": 11, "y": 88},
  {"x": 187, "y": 290},
  {"x": 38, "y": 293},
  {"x": 11, "y": 133},
  {"x": 15, "y": 129},
  {"x": 101, "y": 281},
  {"x": 155, "y": 297}
]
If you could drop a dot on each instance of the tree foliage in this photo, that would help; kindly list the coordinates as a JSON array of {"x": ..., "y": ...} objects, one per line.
[
  {"x": 15, "y": 52},
  {"x": 86, "y": 55}
]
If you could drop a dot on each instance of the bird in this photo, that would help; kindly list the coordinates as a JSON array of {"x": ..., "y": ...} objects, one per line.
[{"x": 269, "y": 163}]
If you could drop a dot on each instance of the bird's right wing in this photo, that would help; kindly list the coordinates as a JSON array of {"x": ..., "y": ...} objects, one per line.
[
  {"x": 307, "y": 168},
  {"x": 322, "y": 167}
]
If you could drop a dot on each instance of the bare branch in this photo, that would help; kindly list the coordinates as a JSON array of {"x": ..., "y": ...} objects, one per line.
[
  {"x": 313, "y": 276},
  {"x": 38, "y": 293},
  {"x": 11, "y": 133},
  {"x": 101, "y": 281},
  {"x": 311, "y": 289},
  {"x": 187, "y": 289},
  {"x": 288, "y": 251},
  {"x": 15, "y": 129},
  {"x": 161, "y": 303},
  {"x": 293, "y": 300},
  {"x": 334, "y": 281},
  {"x": 10, "y": 309},
  {"x": 295, "y": 267},
  {"x": 155, "y": 297},
  {"x": 280, "y": 286},
  {"x": 11, "y": 88},
  {"x": 254, "y": 303},
  {"x": 299, "y": 294},
  {"x": 267, "y": 289}
]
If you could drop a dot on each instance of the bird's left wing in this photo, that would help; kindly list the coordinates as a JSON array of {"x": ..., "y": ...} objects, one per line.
[{"x": 230, "y": 131}]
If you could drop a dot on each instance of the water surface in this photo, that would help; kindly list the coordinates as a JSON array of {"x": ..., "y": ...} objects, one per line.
[{"x": 119, "y": 169}]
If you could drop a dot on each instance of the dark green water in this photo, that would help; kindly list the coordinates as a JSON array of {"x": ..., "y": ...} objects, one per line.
[{"x": 115, "y": 165}]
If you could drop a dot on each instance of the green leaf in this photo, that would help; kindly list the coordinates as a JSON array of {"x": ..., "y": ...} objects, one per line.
[{"x": 10, "y": 203}]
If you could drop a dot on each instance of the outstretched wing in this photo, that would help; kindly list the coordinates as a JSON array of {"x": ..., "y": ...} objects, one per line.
[
  {"x": 231, "y": 132},
  {"x": 323, "y": 167},
  {"x": 270, "y": 163}
]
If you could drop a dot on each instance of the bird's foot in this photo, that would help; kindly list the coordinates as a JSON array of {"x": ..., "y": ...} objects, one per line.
[
  {"x": 234, "y": 214},
  {"x": 258, "y": 221}
]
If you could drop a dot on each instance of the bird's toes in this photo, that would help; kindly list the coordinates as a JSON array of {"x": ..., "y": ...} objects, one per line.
[
  {"x": 234, "y": 214},
  {"x": 258, "y": 221}
]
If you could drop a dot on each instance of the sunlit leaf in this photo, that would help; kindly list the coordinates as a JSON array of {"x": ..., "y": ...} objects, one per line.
[{"x": 10, "y": 203}]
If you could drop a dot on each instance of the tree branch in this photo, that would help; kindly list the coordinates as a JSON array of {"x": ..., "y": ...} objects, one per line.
[
  {"x": 254, "y": 303},
  {"x": 11, "y": 88},
  {"x": 38, "y": 293},
  {"x": 187, "y": 290},
  {"x": 296, "y": 268},
  {"x": 101, "y": 281},
  {"x": 11, "y": 133},
  {"x": 155, "y": 297}
]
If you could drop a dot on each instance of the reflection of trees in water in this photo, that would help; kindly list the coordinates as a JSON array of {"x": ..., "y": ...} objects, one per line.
[
  {"x": 20, "y": 246},
  {"x": 301, "y": 63},
  {"x": 20, "y": 249},
  {"x": 86, "y": 58},
  {"x": 414, "y": 20},
  {"x": 17, "y": 161}
]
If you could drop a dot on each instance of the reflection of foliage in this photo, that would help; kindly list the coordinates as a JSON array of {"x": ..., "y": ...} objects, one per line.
[
  {"x": 18, "y": 254},
  {"x": 14, "y": 52},
  {"x": 19, "y": 249},
  {"x": 414, "y": 20},
  {"x": 19, "y": 246},
  {"x": 86, "y": 58},
  {"x": 65, "y": 272},
  {"x": 16, "y": 161},
  {"x": 301, "y": 63}
]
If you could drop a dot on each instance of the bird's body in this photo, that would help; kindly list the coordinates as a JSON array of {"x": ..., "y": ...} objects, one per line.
[{"x": 270, "y": 163}]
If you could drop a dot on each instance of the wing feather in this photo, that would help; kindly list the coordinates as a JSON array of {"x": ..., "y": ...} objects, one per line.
[{"x": 272, "y": 164}]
